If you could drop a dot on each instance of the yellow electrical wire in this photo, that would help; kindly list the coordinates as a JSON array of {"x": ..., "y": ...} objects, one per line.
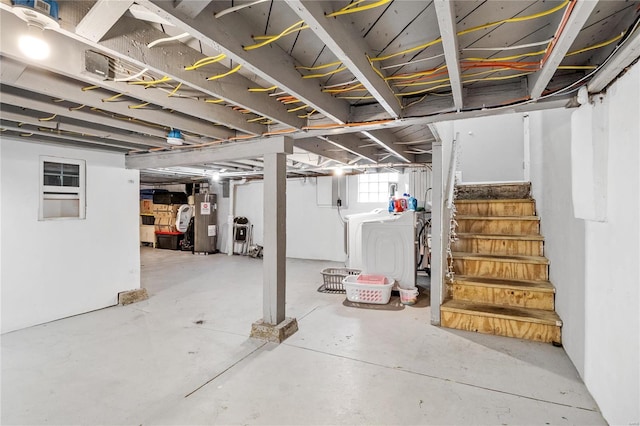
[
  {"x": 261, "y": 89},
  {"x": 253, "y": 120},
  {"x": 478, "y": 28},
  {"x": 416, "y": 74},
  {"x": 58, "y": 100},
  {"x": 577, "y": 67},
  {"x": 419, "y": 92},
  {"x": 297, "y": 108},
  {"x": 516, "y": 19},
  {"x": 271, "y": 39},
  {"x": 216, "y": 77},
  {"x": 48, "y": 118},
  {"x": 350, "y": 9},
  {"x": 505, "y": 58},
  {"x": 356, "y": 87},
  {"x": 355, "y": 97},
  {"x": 307, "y": 115},
  {"x": 324, "y": 74},
  {"x": 214, "y": 101},
  {"x": 595, "y": 46},
  {"x": 175, "y": 90},
  {"x": 152, "y": 82},
  {"x": 283, "y": 34},
  {"x": 77, "y": 107},
  {"x": 205, "y": 61},
  {"x": 139, "y": 106},
  {"x": 84, "y": 89},
  {"x": 319, "y": 67},
  {"x": 112, "y": 98}
]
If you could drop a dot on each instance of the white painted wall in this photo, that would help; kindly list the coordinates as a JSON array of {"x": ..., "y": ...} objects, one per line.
[
  {"x": 594, "y": 265},
  {"x": 564, "y": 234},
  {"x": 491, "y": 148},
  {"x": 55, "y": 269}
]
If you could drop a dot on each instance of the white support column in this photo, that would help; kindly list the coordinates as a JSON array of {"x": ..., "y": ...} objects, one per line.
[
  {"x": 437, "y": 254},
  {"x": 275, "y": 201}
]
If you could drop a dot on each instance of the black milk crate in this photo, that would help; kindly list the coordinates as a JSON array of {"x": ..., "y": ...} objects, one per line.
[{"x": 333, "y": 277}]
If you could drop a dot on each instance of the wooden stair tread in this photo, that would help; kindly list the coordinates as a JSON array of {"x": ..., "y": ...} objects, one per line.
[
  {"x": 541, "y": 286},
  {"x": 465, "y": 217},
  {"x": 522, "y": 237},
  {"x": 501, "y": 200},
  {"x": 538, "y": 316},
  {"x": 501, "y": 258}
]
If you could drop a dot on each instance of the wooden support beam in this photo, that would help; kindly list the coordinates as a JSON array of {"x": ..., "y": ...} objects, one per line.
[
  {"x": 191, "y": 8},
  {"x": 352, "y": 143},
  {"x": 231, "y": 35},
  {"x": 227, "y": 152},
  {"x": 68, "y": 90},
  {"x": 128, "y": 41},
  {"x": 581, "y": 12},
  {"x": 320, "y": 147},
  {"x": 629, "y": 52},
  {"x": 36, "y": 105},
  {"x": 386, "y": 139},
  {"x": 349, "y": 47},
  {"x": 77, "y": 140},
  {"x": 101, "y": 17},
  {"x": 275, "y": 237},
  {"x": 448, "y": 32},
  {"x": 60, "y": 125}
]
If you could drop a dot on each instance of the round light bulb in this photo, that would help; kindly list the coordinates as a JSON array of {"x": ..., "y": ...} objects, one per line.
[
  {"x": 34, "y": 47},
  {"x": 338, "y": 171},
  {"x": 215, "y": 176}
]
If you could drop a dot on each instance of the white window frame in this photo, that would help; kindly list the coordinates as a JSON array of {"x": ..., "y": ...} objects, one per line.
[
  {"x": 53, "y": 192},
  {"x": 382, "y": 196}
]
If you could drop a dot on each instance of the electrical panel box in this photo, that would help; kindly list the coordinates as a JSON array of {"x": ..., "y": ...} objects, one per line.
[{"x": 97, "y": 64}]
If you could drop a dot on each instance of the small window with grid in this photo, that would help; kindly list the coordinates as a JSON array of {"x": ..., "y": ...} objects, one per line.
[
  {"x": 62, "y": 188},
  {"x": 376, "y": 187}
]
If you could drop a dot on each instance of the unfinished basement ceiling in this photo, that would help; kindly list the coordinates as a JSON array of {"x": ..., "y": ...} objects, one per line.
[{"x": 353, "y": 83}]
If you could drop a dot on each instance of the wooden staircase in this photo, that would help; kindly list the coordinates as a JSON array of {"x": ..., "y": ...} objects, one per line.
[{"x": 501, "y": 282}]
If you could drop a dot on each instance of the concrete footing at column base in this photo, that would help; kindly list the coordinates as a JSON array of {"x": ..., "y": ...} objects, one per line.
[
  {"x": 132, "y": 296},
  {"x": 274, "y": 333}
]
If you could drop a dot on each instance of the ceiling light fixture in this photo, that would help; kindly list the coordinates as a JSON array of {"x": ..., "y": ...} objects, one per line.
[{"x": 39, "y": 15}]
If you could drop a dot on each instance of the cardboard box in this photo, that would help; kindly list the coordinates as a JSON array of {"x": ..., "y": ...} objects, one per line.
[
  {"x": 146, "y": 207},
  {"x": 166, "y": 208},
  {"x": 165, "y": 228}
]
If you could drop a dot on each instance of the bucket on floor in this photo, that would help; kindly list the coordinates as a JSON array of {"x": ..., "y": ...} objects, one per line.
[{"x": 408, "y": 296}]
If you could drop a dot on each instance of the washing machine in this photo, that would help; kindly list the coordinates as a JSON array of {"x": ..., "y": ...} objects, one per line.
[
  {"x": 354, "y": 235},
  {"x": 384, "y": 243}
]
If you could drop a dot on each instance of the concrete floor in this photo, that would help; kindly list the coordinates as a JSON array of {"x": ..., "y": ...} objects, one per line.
[{"x": 184, "y": 357}]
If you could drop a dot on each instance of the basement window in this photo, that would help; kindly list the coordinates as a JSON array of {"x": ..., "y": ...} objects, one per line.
[
  {"x": 62, "y": 188},
  {"x": 376, "y": 187}
]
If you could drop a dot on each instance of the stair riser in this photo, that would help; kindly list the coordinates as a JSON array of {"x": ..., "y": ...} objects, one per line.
[
  {"x": 503, "y": 296},
  {"x": 496, "y": 209},
  {"x": 501, "y": 326},
  {"x": 499, "y": 247},
  {"x": 498, "y": 226},
  {"x": 494, "y": 192},
  {"x": 497, "y": 269}
]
